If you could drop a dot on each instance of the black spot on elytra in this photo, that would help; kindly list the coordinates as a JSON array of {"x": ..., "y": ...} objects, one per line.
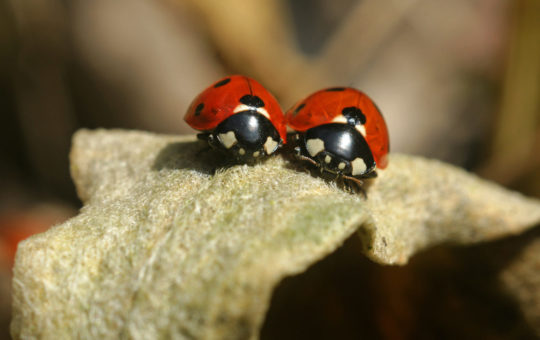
[
  {"x": 222, "y": 82},
  {"x": 335, "y": 89},
  {"x": 354, "y": 115},
  {"x": 253, "y": 101},
  {"x": 198, "y": 109},
  {"x": 300, "y": 107}
]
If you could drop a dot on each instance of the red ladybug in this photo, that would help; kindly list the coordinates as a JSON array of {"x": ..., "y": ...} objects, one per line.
[
  {"x": 238, "y": 115},
  {"x": 341, "y": 131}
]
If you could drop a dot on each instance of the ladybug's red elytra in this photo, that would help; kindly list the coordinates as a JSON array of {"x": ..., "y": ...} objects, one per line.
[
  {"x": 342, "y": 131},
  {"x": 238, "y": 115}
]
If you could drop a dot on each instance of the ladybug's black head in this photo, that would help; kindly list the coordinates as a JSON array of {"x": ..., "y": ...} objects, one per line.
[
  {"x": 354, "y": 116},
  {"x": 248, "y": 135},
  {"x": 338, "y": 148}
]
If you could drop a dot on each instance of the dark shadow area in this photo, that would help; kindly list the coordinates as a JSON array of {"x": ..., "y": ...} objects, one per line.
[
  {"x": 443, "y": 293},
  {"x": 196, "y": 155},
  {"x": 329, "y": 301}
]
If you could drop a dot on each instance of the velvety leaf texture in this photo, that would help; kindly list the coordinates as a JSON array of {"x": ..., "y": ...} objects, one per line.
[{"x": 173, "y": 241}]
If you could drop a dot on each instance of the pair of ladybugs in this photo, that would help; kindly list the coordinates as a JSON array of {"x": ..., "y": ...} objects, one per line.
[{"x": 340, "y": 130}]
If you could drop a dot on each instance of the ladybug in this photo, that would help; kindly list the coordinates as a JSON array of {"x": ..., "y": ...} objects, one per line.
[
  {"x": 239, "y": 116},
  {"x": 341, "y": 131}
]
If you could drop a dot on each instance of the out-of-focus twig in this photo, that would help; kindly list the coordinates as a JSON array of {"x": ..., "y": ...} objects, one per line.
[
  {"x": 514, "y": 149},
  {"x": 363, "y": 32},
  {"x": 275, "y": 57},
  {"x": 256, "y": 37}
]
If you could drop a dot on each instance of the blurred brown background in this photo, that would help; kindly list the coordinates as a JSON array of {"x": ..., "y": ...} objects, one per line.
[{"x": 456, "y": 80}]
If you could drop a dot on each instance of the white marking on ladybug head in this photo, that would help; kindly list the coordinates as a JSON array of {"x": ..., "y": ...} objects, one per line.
[
  {"x": 263, "y": 111},
  {"x": 242, "y": 151},
  {"x": 362, "y": 129},
  {"x": 270, "y": 145},
  {"x": 358, "y": 166},
  {"x": 244, "y": 107},
  {"x": 227, "y": 139},
  {"x": 339, "y": 119},
  {"x": 359, "y": 127},
  {"x": 314, "y": 146},
  {"x": 341, "y": 166},
  {"x": 256, "y": 154},
  {"x": 327, "y": 159}
]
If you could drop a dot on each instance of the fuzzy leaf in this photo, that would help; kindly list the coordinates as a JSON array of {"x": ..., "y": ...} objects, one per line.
[{"x": 164, "y": 247}]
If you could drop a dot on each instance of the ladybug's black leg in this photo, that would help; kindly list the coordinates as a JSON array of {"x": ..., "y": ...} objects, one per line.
[
  {"x": 358, "y": 184},
  {"x": 297, "y": 151},
  {"x": 209, "y": 138},
  {"x": 372, "y": 174},
  {"x": 208, "y": 146},
  {"x": 204, "y": 136},
  {"x": 301, "y": 157},
  {"x": 307, "y": 159}
]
